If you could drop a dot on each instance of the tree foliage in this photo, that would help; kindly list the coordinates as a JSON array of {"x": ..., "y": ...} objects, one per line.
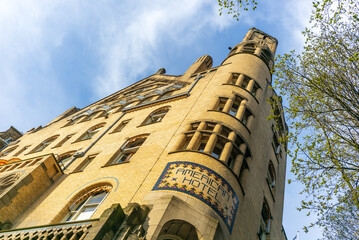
[
  {"x": 321, "y": 85},
  {"x": 235, "y": 7}
]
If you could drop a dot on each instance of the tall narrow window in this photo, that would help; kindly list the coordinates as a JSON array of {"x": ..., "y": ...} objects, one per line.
[
  {"x": 121, "y": 126},
  {"x": 156, "y": 116},
  {"x": 91, "y": 132},
  {"x": 234, "y": 78},
  {"x": 187, "y": 140},
  {"x": 85, "y": 163},
  {"x": 255, "y": 89},
  {"x": 222, "y": 102},
  {"x": 264, "y": 227},
  {"x": 22, "y": 150},
  {"x": 71, "y": 122},
  {"x": 276, "y": 144},
  {"x": 126, "y": 152},
  {"x": 147, "y": 100},
  {"x": 88, "y": 117},
  {"x": 218, "y": 148},
  {"x": 271, "y": 176},
  {"x": 245, "y": 117},
  {"x": 235, "y": 106},
  {"x": 63, "y": 140},
  {"x": 7, "y": 151},
  {"x": 85, "y": 209},
  {"x": 167, "y": 94},
  {"x": 232, "y": 157},
  {"x": 245, "y": 82},
  {"x": 65, "y": 159},
  {"x": 44, "y": 144},
  {"x": 203, "y": 142}
]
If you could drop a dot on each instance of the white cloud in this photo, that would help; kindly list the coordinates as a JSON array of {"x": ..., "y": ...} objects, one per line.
[
  {"x": 134, "y": 39},
  {"x": 126, "y": 37}
]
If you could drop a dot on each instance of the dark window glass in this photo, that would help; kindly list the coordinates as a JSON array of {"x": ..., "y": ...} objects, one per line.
[
  {"x": 246, "y": 115},
  {"x": 221, "y": 104},
  {"x": 235, "y": 106},
  {"x": 218, "y": 148},
  {"x": 225, "y": 131},
  {"x": 234, "y": 78},
  {"x": 203, "y": 142},
  {"x": 210, "y": 126},
  {"x": 239, "y": 141}
]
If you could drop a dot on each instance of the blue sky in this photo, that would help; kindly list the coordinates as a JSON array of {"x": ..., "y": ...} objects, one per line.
[{"x": 64, "y": 53}]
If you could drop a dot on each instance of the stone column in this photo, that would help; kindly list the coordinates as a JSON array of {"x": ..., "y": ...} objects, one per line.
[
  {"x": 242, "y": 108},
  {"x": 250, "y": 85},
  {"x": 239, "y": 159},
  {"x": 240, "y": 80},
  {"x": 212, "y": 139},
  {"x": 226, "y": 152},
  {"x": 211, "y": 143},
  {"x": 238, "y": 162},
  {"x": 228, "y": 105},
  {"x": 196, "y": 137}
]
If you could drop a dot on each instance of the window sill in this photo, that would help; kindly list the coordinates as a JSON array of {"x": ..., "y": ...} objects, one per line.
[
  {"x": 114, "y": 164},
  {"x": 209, "y": 155},
  {"x": 80, "y": 140},
  {"x": 142, "y": 125},
  {"x": 232, "y": 117}
]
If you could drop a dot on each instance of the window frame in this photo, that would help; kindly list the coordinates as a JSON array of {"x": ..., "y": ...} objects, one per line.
[
  {"x": 124, "y": 150},
  {"x": 156, "y": 116},
  {"x": 40, "y": 147},
  {"x": 79, "y": 207},
  {"x": 93, "y": 130}
]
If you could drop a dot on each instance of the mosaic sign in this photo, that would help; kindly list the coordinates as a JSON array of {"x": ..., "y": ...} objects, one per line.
[{"x": 203, "y": 184}]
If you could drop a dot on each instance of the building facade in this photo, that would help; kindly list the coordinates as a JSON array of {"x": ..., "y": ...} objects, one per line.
[{"x": 195, "y": 156}]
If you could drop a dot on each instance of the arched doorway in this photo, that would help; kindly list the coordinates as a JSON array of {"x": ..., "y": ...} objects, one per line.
[{"x": 178, "y": 230}]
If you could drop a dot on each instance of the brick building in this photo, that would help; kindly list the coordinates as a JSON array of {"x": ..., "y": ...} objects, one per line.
[{"x": 170, "y": 157}]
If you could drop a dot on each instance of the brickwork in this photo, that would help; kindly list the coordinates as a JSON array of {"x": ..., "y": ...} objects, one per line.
[{"x": 214, "y": 119}]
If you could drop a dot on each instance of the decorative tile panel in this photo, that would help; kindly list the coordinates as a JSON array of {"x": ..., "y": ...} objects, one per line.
[{"x": 202, "y": 183}]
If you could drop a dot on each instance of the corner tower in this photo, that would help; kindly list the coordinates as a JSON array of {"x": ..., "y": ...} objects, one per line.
[{"x": 226, "y": 164}]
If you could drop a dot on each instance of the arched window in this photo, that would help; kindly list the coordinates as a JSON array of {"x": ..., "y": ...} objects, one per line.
[
  {"x": 88, "y": 117},
  {"x": 91, "y": 132},
  {"x": 166, "y": 94},
  {"x": 264, "y": 227},
  {"x": 128, "y": 149},
  {"x": 156, "y": 116},
  {"x": 7, "y": 151},
  {"x": 44, "y": 144},
  {"x": 85, "y": 206},
  {"x": 271, "y": 176},
  {"x": 148, "y": 99},
  {"x": 71, "y": 122},
  {"x": 64, "y": 159}
]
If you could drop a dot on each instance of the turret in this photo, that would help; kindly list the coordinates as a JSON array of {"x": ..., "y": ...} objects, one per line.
[{"x": 259, "y": 44}]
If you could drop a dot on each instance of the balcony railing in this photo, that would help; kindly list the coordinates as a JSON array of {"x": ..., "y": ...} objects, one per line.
[{"x": 76, "y": 230}]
